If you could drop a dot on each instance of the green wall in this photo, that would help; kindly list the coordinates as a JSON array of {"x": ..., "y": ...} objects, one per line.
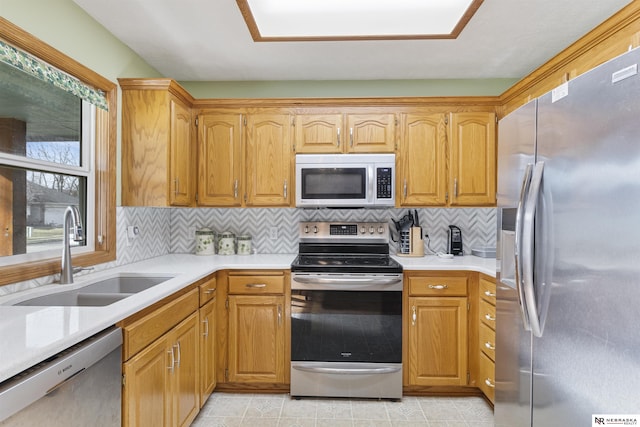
[
  {"x": 346, "y": 88},
  {"x": 65, "y": 26}
]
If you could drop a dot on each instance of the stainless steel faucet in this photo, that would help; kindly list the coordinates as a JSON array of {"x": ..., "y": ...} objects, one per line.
[{"x": 70, "y": 214}]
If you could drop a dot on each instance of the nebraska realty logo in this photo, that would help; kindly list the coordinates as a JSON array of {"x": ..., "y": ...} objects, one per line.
[{"x": 615, "y": 420}]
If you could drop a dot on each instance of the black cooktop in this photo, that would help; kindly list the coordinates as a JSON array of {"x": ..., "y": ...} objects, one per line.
[{"x": 325, "y": 263}]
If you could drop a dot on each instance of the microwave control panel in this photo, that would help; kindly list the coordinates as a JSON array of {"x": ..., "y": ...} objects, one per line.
[{"x": 384, "y": 183}]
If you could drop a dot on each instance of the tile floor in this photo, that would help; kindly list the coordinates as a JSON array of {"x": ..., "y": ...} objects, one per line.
[{"x": 279, "y": 410}]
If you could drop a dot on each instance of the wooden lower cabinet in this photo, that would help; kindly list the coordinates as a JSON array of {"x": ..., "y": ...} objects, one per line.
[
  {"x": 256, "y": 339},
  {"x": 487, "y": 336},
  {"x": 207, "y": 350},
  {"x": 161, "y": 381},
  {"x": 436, "y": 328}
]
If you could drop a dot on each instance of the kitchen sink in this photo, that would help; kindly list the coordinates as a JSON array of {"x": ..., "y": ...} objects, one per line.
[{"x": 98, "y": 294}]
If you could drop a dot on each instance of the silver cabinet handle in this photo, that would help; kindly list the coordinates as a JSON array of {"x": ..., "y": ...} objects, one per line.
[
  {"x": 338, "y": 139},
  {"x": 414, "y": 316},
  {"x": 489, "y": 345},
  {"x": 285, "y": 188},
  {"x": 438, "y": 287},
  {"x": 210, "y": 291},
  {"x": 528, "y": 249},
  {"x": 279, "y": 315},
  {"x": 351, "y": 136},
  {"x": 206, "y": 328},
  {"x": 489, "y": 317},
  {"x": 489, "y": 294},
  {"x": 177, "y": 347},
  {"x": 404, "y": 189},
  {"x": 524, "y": 190},
  {"x": 455, "y": 187},
  {"x": 235, "y": 189},
  {"x": 173, "y": 360},
  {"x": 256, "y": 285},
  {"x": 490, "y": 383}
]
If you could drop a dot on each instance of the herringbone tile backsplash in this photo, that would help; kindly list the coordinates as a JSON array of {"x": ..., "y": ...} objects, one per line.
[{"x": 478, "y": 225}]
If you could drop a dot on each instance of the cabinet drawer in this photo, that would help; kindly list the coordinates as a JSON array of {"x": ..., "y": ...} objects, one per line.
[
  {"x": 207, "y": 291},
  {"x": 488, "y": 314},
  {"x": 438, "y": 286},
  {"x": 488, "y": 341},
  {"x": 487, "y": 381},
  {"x": 142, "y": 332},
  {"x": 488, "y": 290},
  {"x": 256, "y": 284}
]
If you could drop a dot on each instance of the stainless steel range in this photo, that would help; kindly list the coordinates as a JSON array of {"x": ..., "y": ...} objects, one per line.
[{"x": 346, "y": 313}]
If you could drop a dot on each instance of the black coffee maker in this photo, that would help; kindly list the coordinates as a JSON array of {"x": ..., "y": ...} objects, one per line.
[{"x": 454, "y": 240}]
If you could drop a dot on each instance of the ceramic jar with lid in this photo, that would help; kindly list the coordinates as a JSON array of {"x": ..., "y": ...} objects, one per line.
[
  {"x": 205, "y": 241},
  {"x": 226, "y": 243},
  {"x": 244, "y": 245}
]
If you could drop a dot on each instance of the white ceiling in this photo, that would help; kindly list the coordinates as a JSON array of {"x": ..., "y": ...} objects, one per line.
[{"x": 207, "y": 40}]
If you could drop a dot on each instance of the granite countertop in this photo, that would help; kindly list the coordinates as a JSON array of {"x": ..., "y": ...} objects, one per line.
[{"x": 29, "y": 335}]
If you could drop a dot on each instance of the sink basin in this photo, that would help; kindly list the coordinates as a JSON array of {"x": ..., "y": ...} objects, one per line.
[{"x": 98, "y": 294}]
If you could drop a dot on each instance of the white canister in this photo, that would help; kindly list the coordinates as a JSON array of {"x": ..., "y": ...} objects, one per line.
[
  {"x": 226, "y": 243},
  {"x": 205, "y": 241},
  {"x": 244, "y": 245}
]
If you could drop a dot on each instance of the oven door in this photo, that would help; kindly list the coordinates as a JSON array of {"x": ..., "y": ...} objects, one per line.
[{"x": 346, "y": 335}]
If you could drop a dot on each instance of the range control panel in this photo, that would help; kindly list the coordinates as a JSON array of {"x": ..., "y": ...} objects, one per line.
[{"x": 373, "y": 232}]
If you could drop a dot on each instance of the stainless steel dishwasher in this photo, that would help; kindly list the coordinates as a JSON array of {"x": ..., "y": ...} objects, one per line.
[{"x": 80, "y": 386}]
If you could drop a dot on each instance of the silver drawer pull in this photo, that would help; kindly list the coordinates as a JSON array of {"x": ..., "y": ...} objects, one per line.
[
  {"x": 490, "y": 383},
  {"x": 256, "y": 285},
  {"x": 489, "y": 345},
  {"x": 489, "y": 294},
  {"x": 210, "y": 291},
  {"x": 438, "y": 287},
  {"x": 489, "y": 317}
]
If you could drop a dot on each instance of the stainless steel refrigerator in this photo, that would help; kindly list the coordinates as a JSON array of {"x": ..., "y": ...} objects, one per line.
[{"x": 568, "y": 297}]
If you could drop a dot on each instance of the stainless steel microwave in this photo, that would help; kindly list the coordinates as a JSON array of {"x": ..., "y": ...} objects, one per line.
[{"x": 345, "y": 180}]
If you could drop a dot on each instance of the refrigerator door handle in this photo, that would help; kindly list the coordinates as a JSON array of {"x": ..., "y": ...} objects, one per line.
[
  {"x": 524, "y": 190},
  {"x": 528, "y": 232}
]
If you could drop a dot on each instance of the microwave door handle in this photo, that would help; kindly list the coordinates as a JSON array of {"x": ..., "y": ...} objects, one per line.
[{"x": 371, "y": 178}]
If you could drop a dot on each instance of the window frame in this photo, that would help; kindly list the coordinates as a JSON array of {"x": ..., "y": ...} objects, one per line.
[{"x": 104, "y": 232}]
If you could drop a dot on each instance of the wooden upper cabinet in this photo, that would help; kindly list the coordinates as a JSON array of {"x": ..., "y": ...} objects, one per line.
[
  {"x": 220, "y": 174},
  {"x": 157, "y": 144},
  {"x": 473, "y": 159},
  {"x": 371, "y": 133},
  {"x": 268, "y": 160},
  {"x": 345, "y": 133},
  {"x": 319, "y": 133},
  {"x": 421, "y": 177},
  {"x": 181, "y": 191}
]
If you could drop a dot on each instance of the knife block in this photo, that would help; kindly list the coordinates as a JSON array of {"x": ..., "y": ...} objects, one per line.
[{"x": 416, "y": 244}]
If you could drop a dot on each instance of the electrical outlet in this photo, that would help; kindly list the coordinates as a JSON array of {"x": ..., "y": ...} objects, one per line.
[{"x": 273, "y": 233}]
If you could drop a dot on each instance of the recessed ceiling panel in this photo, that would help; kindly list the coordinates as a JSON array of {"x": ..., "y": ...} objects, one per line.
[{"x": 308, "y": 20}]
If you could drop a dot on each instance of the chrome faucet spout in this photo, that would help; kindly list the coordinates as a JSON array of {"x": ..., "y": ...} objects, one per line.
[{"x": 71, "y": 222}]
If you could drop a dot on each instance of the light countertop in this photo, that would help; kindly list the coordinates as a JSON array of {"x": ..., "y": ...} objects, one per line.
[{"x": 29, "y": 334}]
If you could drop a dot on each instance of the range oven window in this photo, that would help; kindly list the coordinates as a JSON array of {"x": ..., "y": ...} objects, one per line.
[
  {"x": 334, "y": 183},
  {"x": 346, "y": 326}
]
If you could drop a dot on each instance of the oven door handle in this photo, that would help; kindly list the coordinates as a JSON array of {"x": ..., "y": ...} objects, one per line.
[
  {"x": 348, "y": 371},
  {"x": 351, "y": 280}
]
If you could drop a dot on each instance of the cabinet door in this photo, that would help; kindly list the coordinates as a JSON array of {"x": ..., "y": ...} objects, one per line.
[
  {"x": 256, "y": 339},
  {"x": 473, "y": 159},
  {"x": 423, "y": 174},
  {"x": 315, "y": 133},
  {"x": 219, "y": 160},
  {"x": 437, "y": 341},
  {"x": 186, "y": 394},
  {"x": 268, "y": 162},
  {"x": 147, "y": 387},
  {"x": 371, "y": 133},
  {"x": 181, "y": 184},
  {"x": 207, "y": 350}
]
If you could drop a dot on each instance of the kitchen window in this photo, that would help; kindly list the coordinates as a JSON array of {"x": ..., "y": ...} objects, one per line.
[{"x": 57, "y": 148}]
